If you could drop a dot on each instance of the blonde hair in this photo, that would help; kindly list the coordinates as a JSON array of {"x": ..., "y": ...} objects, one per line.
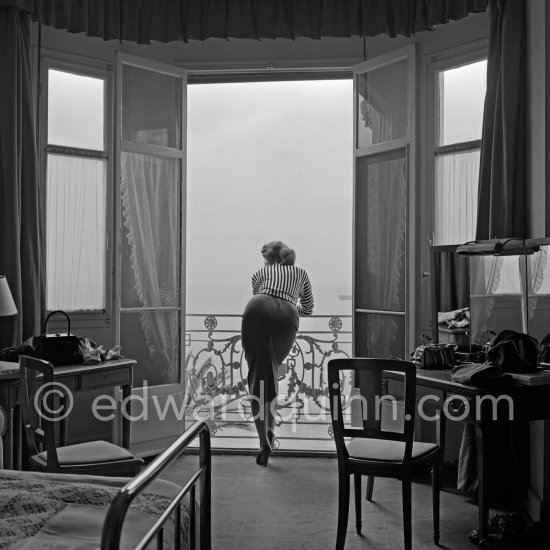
[
  {"x": 288, "y": 256},
  {"x": 277, "y": 252}
]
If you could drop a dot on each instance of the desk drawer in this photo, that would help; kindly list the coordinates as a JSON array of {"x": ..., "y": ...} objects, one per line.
[{"x": 102, "y": 379}]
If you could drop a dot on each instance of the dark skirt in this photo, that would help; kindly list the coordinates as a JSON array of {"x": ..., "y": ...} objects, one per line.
[{"x": 269, "y": 327}]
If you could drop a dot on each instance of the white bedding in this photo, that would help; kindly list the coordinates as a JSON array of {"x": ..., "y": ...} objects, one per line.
[{"x": 62, "y": 511}]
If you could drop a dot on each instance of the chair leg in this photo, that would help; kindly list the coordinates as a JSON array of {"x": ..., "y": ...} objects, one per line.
[
  {"x": 343, "y": 509},
  {"x": 370, "y": 487},
  {"x": 407, "y": 516},
  {"x": 357, "y": 486},
  {"x": 436, "y": 486}
]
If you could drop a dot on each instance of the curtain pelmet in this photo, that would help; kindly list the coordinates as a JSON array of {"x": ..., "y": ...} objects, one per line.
[
  {"x": 20, "y": 231},
  {"x": 143, "y": 21}
]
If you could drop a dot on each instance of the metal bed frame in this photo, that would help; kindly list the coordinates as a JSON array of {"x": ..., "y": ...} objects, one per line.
[{"x": 114, "y": 520}]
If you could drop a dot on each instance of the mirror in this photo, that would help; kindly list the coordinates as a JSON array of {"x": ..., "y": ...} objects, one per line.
[
  {"x": 450, "y": 293},
  {"x": 497, "y": 298},
  {"x": 538, "y": 293},
  {"x": 501, "y": 291}
]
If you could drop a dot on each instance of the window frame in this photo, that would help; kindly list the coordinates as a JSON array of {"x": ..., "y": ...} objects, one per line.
[
  {"x": 448, "y": 59},
  {"x": 432, "y": 63},
  {"x": 95, "y": 69}
]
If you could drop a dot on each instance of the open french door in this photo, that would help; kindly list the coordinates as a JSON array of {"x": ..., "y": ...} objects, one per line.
[
  {"x": 384, "y": 205},
  {"x": 149, "y": 315}
]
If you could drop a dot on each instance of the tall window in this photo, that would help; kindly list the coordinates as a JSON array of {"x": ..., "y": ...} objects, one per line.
[
  {"x": 268, "y": 161},
  {"x": 76, "y": 187},
  {"x": 460, "y": 100}
]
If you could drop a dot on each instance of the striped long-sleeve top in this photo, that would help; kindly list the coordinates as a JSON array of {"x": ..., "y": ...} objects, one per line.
[{"x": 285, "y": 281}]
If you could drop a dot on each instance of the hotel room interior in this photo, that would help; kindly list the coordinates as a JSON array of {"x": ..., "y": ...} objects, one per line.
[{"x": 445, "y": 178}]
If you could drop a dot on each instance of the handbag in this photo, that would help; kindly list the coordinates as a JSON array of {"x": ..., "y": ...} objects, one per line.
[
  {"x": 434, "y": 356},
  {"x": 57, "y": 349},
  {"x": 514, "y": 352}
]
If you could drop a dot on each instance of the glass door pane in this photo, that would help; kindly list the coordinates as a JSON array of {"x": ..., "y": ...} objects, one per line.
[
  {"x": 384, "y": 190},
  {"x": 382, "y": 104},
  {"x": 150, "y": 263},
  {"x": 151, "y": 218},
  {"x": 381, "y": 246},
  {"x": 381, "y": 231},
  {"x": 151, "y": 107}
]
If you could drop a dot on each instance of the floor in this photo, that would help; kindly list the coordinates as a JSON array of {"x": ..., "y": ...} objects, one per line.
[{"x": 292, "y": 505}]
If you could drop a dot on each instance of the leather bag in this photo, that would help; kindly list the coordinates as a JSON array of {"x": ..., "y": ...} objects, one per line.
[
  {"x": 60, "y": 348},
  {"x": 514, "y": 352},
  {"x": 434, "y": 356}
]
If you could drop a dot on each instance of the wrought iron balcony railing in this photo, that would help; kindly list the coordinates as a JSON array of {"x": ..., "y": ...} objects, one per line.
[{"x": 216, "y": 371}]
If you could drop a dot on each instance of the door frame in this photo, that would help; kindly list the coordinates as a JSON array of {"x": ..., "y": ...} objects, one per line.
[
  {"x": 142, "y": 434},
  {"x": 412, "y": 267}
]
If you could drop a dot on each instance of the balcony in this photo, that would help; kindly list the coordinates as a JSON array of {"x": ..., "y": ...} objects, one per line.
[{"x": 216, "y": 382}]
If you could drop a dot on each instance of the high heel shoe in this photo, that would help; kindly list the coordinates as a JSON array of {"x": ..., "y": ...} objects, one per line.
[{"x": 263, "y": 455}]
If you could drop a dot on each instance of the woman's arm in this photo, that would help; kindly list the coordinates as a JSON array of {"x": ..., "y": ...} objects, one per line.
[
  {"x": 305, "y": 307},
  {"x": 256, "y": 281}
]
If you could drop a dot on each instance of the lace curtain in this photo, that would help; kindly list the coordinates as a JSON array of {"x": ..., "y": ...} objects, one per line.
[
  {"x": 386, "y": 243},
  {"x": 456, "y": 197},
  {"x": 75, "y": 233},
  {"x": 151, "y": 218}
]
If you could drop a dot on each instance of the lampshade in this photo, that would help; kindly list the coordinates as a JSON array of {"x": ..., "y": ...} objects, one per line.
[{"x": 7, "y": 305}]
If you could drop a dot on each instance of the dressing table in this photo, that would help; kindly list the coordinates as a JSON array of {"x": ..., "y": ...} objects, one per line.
[
  {"x": 507, "y": 286},
  {"x": 106, "y": 375}
]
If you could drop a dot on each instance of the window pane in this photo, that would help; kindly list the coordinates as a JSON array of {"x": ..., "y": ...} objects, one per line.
[
  {"x": 381, "y": 216},
  {"x": 538, "y": 288},
  {"x": 153, "y": 336},
  {"x": 151, "y": 245},
  {"x": 496, "y": 300},
  {"x": 462, "y": 97},
  {"x": 75, "y": 110},
  {"x": 151, "y": 107},
  {"x": 456, "y": 197},
  {"x": 75, "y": 233},
  {"x": 380, "y": 335},
  {"x": 382, "y": 104}
]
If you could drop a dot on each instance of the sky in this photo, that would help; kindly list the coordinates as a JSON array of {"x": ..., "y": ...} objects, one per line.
[
  {"x": 269, "y": 161},
  {"x": 464, "y": 96}
]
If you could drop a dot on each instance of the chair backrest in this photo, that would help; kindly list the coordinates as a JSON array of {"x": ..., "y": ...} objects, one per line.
[
  {"x": 367, "y": 377},
  {"x": 42, "y": 407}
]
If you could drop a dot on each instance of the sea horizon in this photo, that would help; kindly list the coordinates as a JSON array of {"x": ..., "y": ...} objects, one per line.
[{"x": 231, "y": 300}]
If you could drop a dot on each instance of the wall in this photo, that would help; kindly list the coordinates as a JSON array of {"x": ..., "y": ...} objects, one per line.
[
  {"x": 347, "y": 51},
  {"x": 538, "y": 159},
  {"x": 344, "y": 52},
  {"x": 284, "y": 53},
  {"x": 537, "y": 76}
]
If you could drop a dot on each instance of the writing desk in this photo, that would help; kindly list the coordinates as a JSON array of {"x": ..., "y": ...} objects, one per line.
[
  {"x": 108, "y": 375},
  {"x": 529, "y": 403}
]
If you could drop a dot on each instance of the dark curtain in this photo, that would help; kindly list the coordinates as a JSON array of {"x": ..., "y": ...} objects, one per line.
[
  {"x": 453, "y": 281},
  {"x": 20, "y": 233},
  {"x": 168, "y": 20},
  {"x": 502, "y": 201}
]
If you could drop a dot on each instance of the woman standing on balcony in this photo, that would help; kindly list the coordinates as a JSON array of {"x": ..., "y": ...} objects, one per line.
[{"x": 282, "y": 294}]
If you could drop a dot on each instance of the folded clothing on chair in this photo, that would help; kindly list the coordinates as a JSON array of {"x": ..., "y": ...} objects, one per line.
[{"x": 480, "y": 374}]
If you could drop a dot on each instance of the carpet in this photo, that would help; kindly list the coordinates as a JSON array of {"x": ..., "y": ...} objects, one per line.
[{"x": 292, "y": 505}]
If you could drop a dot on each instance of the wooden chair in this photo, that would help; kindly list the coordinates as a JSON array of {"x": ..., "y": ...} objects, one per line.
[
  {"x": 373, "y": 451},
  {"x": 43, "y": 411}
]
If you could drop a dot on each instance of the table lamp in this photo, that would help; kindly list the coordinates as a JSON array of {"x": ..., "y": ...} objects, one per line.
[{"x": 7, "y": 305}]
